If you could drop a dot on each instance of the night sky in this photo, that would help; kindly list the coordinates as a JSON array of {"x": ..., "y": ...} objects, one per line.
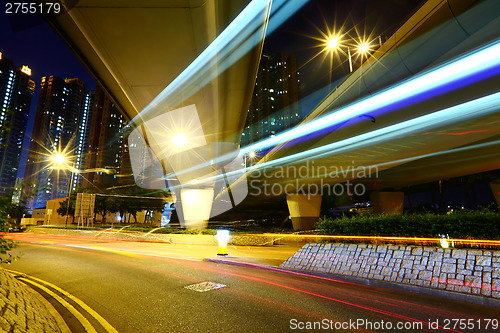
[
  {"x": 351, "y": 17},
  {"x": 42, "y": 50}
]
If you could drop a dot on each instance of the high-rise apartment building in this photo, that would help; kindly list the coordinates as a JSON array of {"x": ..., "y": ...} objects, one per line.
[
  {"x": 16, "y": 92},
  {"x": 107, "y": 153},
  {"x": 275, "y": 104},
  {"x": 61, "y": 126}
]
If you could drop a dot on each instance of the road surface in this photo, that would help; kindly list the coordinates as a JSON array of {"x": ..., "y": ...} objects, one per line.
[{"x": 140, "y": 287}]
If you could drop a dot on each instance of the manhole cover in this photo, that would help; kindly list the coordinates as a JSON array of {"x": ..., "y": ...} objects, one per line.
[{"x": 205, "y": 286}]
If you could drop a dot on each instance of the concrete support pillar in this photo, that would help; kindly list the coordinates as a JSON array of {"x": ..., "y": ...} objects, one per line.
[
  {"x": 389, "y": 203},
  {"x": 304, "y": 210},
  {"x": 196, "y": 207},
  {"x": 495, "y": 188}
]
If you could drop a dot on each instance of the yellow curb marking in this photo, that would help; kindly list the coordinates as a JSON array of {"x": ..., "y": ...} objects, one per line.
[
  {"x": 85, "y": 323},
  {"x": 107, "y": 326},
  {"x": 57, "y": 316}
]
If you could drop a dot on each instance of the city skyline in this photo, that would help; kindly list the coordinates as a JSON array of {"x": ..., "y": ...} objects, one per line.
[
  {"x": 275, "y": 104},
  {"x": 16, "y": 92},
  {"x": 60, "y": 128}
]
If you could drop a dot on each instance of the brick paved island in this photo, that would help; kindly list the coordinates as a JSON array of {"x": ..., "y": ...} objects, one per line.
[{"x": 461, "y": 270}]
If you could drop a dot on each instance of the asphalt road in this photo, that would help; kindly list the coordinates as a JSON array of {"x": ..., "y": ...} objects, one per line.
[{"x": 146, "y": 293}]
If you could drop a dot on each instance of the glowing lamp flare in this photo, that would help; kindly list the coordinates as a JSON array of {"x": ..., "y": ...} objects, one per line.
[
  {"x": 26, "y": 70},
  {"x": 363, "y": 48},
  {"x": 333, "y": 43},
  {"x": 222, "y": 237},
  {"x": 59, "y": 159},
  {"x": 180, "y": 140}
]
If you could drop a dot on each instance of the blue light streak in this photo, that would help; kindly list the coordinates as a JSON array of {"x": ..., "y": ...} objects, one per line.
[
  {"x": 480, "y": 61},
  {"x": 239, "y": 37},
  {"x": 469, "y": 110},
  {"x": 466, "y": 66}
]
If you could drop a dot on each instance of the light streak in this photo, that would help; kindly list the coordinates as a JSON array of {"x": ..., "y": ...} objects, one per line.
[
  {"x": 479, "y": 107},
  {"x": 236, "y": 40},
  {"x": 336, "y": 300},
  {"x": 414, "y": 158},
  {"x": 466, "y": 66},
  {"x": 480, "y": 61},
  {"x": 487, "y": 242},
  {"x": 475, "y": 108}
]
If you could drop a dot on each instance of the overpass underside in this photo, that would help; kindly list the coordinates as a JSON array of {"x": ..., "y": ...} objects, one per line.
[
  {"x": 414, "y": 112},
  {"x": 424, "y": 107}
]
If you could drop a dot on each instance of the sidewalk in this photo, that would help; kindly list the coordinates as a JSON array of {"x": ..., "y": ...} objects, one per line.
[{"x": 24, "y": 310}]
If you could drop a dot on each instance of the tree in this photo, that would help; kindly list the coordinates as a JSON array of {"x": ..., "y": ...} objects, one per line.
[
  {"x": 63, "y": 207},
  {"x": 128, "y": 199},
  {"x": 5, "y": 244}
]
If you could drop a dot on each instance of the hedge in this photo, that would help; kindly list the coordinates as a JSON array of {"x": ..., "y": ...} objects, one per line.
[{"x": 460, "y": 224}]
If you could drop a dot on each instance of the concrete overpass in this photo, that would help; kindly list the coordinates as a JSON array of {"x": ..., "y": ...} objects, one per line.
[
  {"x": 193, "y": 62},
  {"x": 135, "y": 52},
  {"x": 436, "y": 34}
]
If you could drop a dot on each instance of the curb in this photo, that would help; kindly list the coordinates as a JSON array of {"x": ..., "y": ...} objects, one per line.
[
  {"x": 52, "y": 310},
  {"x": 446, "y": 294},
  {"x": 29, "y": 310}
]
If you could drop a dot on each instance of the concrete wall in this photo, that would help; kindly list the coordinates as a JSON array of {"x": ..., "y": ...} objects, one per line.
[
  {"x": 461, "y": 270},
  {"x": 28, "y": 220},
  {"x": 38, "y": 216},
  {"x": 51, "y": 215},
  {"x": 23, "y": 310}
]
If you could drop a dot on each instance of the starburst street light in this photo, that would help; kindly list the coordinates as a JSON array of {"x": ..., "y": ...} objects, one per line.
[
  {"x": 341, "y": 41},
  {"x": 180, "y": 140},
  {"x": 333, "y": 42},
  {"x": 59, "y": 159},
  {"x": 251, "y": 156}
]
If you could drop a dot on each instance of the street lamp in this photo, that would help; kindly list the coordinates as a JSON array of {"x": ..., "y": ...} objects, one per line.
[
  {"x": 250, "y": 155},
  {"x": 61, "y": 161},
  {"x": 334, "y": 43},
  {"x": 180, "y": 140},
  {"x": 363, "y": 48}
]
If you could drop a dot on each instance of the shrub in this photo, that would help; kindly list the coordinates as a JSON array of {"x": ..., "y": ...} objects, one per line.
[
  {"x": 483, "y": 224},
  {"x": 5, "y": 244}
]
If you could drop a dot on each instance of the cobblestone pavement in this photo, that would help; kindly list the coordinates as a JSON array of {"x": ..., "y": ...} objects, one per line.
[
  {"x": 22, "y": 309},
  {"x": 461, "y": 270}
]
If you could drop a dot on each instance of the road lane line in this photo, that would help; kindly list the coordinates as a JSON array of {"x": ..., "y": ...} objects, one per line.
[
  {"x": 107, "y": 326},
  {"x": 130, "y": 253},
  {"x": 100, "y": 248}
]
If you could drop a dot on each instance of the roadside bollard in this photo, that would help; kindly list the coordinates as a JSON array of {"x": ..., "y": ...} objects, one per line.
[{"x": 222, "y": 237}]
